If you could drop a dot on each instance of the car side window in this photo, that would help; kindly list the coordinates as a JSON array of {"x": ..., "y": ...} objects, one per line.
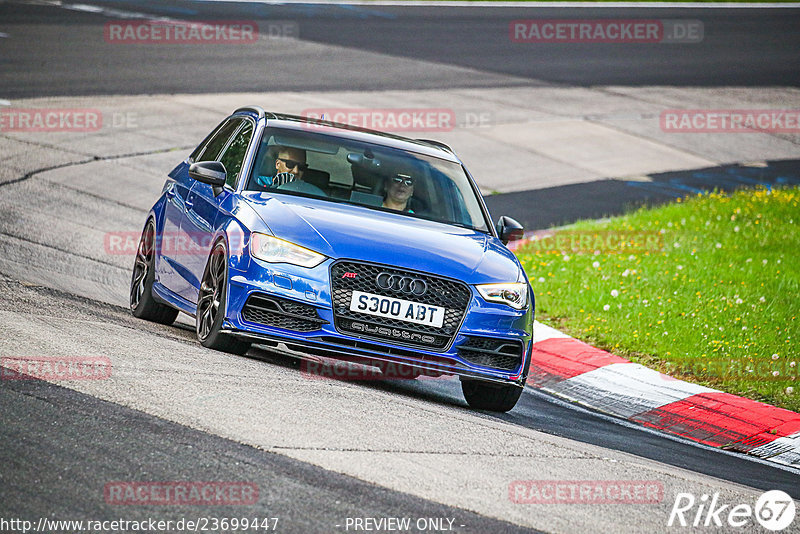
[
  {"x": 202, "y": 146},
  {"x": 217, "y": 143},
  {"x": 235, "y": 153}
]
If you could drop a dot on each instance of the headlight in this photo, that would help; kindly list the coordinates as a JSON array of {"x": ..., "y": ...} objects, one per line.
[
  {"x": 268, "y": 248},
  {"x": 514, "y": 294}
]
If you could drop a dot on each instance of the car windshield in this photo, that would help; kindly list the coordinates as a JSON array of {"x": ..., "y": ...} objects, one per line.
[{"x": 343, "y": 170}]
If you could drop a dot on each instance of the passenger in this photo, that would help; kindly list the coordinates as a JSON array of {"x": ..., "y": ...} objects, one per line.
[{"x": 399, "y": 190}]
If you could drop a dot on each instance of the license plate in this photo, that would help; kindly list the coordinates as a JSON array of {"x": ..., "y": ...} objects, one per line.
[{"x": 403, "y": 310}]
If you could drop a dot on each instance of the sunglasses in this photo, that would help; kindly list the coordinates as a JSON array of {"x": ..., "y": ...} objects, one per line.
[
  {"x": 403, "y": 179},
  {"x": 291, "y": 164}
]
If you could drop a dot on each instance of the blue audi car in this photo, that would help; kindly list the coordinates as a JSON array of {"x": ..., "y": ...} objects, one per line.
[{"x": 341, "y": 242}]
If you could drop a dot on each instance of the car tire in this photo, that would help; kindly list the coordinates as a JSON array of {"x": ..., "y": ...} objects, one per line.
[
  {"x": 490, "y": 397},
  {"x": 141, "y": 300},
  {"x": 211, "y": 305}
]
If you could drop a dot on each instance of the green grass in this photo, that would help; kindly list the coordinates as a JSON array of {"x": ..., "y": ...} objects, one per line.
[{"x": 715, "y": 302}]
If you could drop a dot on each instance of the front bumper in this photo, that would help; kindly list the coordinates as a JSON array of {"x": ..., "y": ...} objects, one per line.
[{"x": 470, "y": 354}]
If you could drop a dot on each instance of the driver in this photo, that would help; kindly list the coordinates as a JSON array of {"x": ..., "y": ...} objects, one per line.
[
  {"x": 290, "y": 163},
  {"x": 399, "y": 189}
]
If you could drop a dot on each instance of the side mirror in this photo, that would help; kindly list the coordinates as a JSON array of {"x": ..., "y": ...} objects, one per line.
[
  {"x": 209, "y": 172},
  {"x": 509, "y": 230}
]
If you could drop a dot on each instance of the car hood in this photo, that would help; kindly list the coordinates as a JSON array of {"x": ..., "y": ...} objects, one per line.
[{"x": 354, "y": 232}]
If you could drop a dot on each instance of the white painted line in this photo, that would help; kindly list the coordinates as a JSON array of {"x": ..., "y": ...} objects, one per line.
[
  {"x": 109, "y": 12},
  {"x": 5, "y": 102},
  {"x": 785, "y": 450},
  {"x": 3, "y": 34},
  {"x": 542, "y": 332},
  {"x": 626, "y": 389}
]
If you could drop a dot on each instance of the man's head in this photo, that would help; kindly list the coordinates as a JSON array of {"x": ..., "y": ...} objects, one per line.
[
  {"x": 399, "y": 189},
  {"x": 292, "y": 160}
]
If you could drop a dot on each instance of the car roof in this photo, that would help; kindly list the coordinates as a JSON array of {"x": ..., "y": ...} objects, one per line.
[{"x": 346, "y": 131}]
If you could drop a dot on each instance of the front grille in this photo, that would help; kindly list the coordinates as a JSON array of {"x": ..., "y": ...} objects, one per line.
[
  {"x": 281, "y": 313},
  {"x": 505, "y": 354},
  {"x": 452, "y": 295}
]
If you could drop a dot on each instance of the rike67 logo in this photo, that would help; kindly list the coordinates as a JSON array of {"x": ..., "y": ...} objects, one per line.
[{"x": 774, "y": 510}]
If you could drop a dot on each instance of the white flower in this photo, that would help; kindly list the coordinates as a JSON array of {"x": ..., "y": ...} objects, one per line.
[
  {"x": 606, "y": 307},
  {"x": 775, "y": 356},
  {"x": 764, "y": 262},
  {"x": 565, "y": 257},
  {"x": 744, "y": 328},
  {"x": 775, "y": 373},
  {"x": 748, "y": 260},
  {"x": 762, "y": 299},
  {"x": 631, "y": 257},
  {"x": 739, "y": 301},
  {"x": 680, "y": 267},
  {"x": 540, "y": 279},
  {"x": 614, "y": 293},
  {"x": 676, "y": 245},
  {"x": 644, "y": 301},
  {"x": 735, "y": 228},
  {"x": 626, "y": 272},
  {"x": 718, "y": 245},
  {"x": 789, "y": 390},
  {"x": 792, "y": 364},
  {"x": 596, "y": 264}
]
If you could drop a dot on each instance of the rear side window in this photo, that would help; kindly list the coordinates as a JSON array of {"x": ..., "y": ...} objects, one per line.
[
  {"x": 235, "y": 153},
  {"x": 217, "y": 142}
]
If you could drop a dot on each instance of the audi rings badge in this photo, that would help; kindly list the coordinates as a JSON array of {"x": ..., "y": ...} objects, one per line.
[{"x": 402, "y": 284}]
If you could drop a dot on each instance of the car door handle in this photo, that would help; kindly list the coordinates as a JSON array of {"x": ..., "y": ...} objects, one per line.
[{"x": 189, "y": 203}]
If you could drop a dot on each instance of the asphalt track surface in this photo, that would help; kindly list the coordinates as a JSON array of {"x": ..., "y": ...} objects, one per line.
[
  {"x": 59, "y": 446},
  {"x": 56, "y": 52}
]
